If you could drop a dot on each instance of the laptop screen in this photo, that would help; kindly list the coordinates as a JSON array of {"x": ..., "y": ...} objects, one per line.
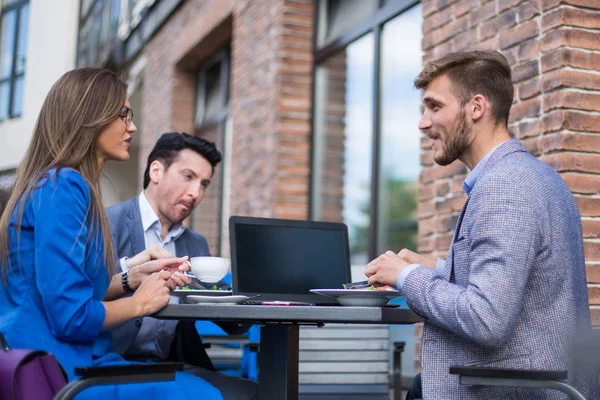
[{"x": 284, "y": 259}]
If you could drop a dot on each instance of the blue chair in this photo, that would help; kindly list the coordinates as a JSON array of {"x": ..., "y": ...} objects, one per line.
[{"x": 213, "y": 336}]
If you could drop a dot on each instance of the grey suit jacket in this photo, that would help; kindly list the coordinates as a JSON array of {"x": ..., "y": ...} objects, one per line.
[
  {"x": 513, "y": 291},
  {"x": 128, "y": 235}
]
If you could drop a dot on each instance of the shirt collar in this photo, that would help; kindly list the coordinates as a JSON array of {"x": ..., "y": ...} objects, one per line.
[
  {"x": 149, "y": 219},
  {"x": 471, "y": 179}
]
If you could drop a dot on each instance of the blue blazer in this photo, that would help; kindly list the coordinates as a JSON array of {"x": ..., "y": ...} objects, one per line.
[
  {"x": 128, "y": 235},
  {"x": 513, "y": 292},
  {"x": 56, "y": 283}
]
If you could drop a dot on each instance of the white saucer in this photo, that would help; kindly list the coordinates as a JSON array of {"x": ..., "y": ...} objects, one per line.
[
  {"x": 217, "y": 299},
  {"x": 358, "y": 297},
  {"x": 187, "y": 292}
]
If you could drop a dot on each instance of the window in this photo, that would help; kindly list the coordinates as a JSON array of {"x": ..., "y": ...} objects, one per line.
[
  {"x": 14, "y": 27},
  {"x": 366, "y": 142},
  {"x": 211, "y": 121},
  {"x": 98, "y": 27}
]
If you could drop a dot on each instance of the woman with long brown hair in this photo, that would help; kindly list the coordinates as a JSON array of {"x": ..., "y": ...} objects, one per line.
[{"x": 58, "y": 291}]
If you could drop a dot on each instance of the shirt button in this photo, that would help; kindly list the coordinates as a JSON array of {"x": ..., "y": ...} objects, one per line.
[{"x": 138, "y": 323}]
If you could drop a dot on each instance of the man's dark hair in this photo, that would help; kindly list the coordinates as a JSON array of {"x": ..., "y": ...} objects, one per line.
[
  {"x": 170, "y": 144},
  {"x": 475, "y": 72}
]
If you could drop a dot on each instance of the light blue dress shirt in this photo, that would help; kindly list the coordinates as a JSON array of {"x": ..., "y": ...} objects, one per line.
[
  {"x": 155, "y": 336},
  {"x": 468, "y": 185}
]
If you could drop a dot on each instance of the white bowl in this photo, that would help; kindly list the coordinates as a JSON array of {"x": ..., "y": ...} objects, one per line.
[{"x": 210, "y": 269}]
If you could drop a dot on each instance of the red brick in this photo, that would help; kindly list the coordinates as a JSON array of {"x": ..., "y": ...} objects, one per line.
[
  {"x": 425, "y": 244},
  {"x": 455, "y": 168},
  {"x": 426, "y": 175},
  {"x": 572, "y": 37},
  {"x": 594, "y": 294},
  {"x": 525, "y": 109},
  {"x": 563, "y": 57},
  {"x": 571, "y": 141},
  {"x": 446, "y": 223},
  {"x": 588, "y": 207},
  {"x": 427, "y": 158},
  {"x": 519, "y": 34},
  {"x": 426, "y": 192},
  {"x": 593, "y": 273},
  {"x": 570, "y": 79},
  {"x": 525, "y": 71},
  {"x": 444, "y": 33},
  {"x": 568, "y": 162},
  {"x": 571, "y": 100},
  {"x": 452, "y": 204},
  {"x": 595, "y": 314},
  {"x": 528, "y": 10},
  {"x": 438, "y": 19},
  {"x": 483, "y": 13},
  {"x": 549, "y": 4},
  {"x": 442, "y": 188},
  {"x": 532, "y": 145},
  {"x": 426, "y": 226},
  {"x": 591, "y": 230},
  {"x": 464, "y": 6},
  {"x": 425, "y": 209},
  {"x": 499, "y": 24},
  {"x": 529, "y": 89},
  {"x": 456, "y": 185},
  {"x": 570, "y": 17},
  {"x": 442, "y": 241},
  {"x": 489, "y": 44},
  {"x": 503, "y": 5},
  {"x": 591, "y": 250},
  {"x": 529, "y": 129},
  {"x": 570, "y": 120},
  {"x": 528, "y": 50}
]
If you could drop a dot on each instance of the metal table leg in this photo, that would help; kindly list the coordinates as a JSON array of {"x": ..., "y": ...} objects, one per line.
[{"x": 278, "y": 362}]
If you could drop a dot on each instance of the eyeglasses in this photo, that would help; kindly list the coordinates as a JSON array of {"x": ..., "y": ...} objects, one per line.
[{"x": 126, "y": 114}]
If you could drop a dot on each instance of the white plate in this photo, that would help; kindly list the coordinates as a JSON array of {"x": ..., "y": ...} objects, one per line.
[
  {"x": 180, "y": 292},
  {"x": 358, "y": 297},
  {"x": 217, "y": 299}
]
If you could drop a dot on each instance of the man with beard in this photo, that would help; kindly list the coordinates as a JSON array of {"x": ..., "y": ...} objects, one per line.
[
  {"x": 512, "y": 292},
  {"x": 150, "y": 226}
]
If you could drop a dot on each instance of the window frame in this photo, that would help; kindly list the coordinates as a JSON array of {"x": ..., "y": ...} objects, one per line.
[
  {"x": 220, "y": 121},
  {"x": 13, "y": 77},
  {"x": 374, "y": 23}
]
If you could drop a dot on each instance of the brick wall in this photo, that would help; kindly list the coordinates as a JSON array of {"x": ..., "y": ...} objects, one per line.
[
  {"x": 270, "y": 108},
  {"x": 270, "y": 98},
  {"x": 553, "y": 47}
]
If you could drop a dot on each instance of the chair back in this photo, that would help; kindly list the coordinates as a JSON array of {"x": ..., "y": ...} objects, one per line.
[{"x": 28, "y": 374}]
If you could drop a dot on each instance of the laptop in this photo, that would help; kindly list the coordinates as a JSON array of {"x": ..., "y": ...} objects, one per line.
[{"x": 281, "y": 260}]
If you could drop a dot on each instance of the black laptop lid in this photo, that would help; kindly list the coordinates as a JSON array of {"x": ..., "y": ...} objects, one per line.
[{"x": 283, "y": 259}]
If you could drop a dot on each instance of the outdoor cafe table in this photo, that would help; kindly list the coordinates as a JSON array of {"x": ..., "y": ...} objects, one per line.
[{"x": 279, "y": 335}]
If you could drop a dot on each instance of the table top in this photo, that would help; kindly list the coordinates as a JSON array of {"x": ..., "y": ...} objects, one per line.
[{"x": 289, "y": 314}]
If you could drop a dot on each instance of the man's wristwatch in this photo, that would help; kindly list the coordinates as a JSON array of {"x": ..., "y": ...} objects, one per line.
[{"x": 125, "y": 283}]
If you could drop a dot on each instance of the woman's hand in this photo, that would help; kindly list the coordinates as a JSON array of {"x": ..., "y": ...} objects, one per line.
[
  {"x": 151, "y": 253},
  {"x": 179, "y": 277},
  {"x": 153, "y": 293},
  {"x": 174, "y": 266}
]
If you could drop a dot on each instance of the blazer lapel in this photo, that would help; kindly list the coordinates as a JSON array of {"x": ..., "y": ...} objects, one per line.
[
  {"x": 181, "y": 248},
  {"x": 510, "y": 146},
  {"x": 449, "y": 266},
  {"x": 136, "y": 229}
]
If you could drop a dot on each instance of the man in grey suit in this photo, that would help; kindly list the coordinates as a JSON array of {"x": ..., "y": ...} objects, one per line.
[
  {"x": 512, "y": 292},
  {"x": 149, "y": 226}
]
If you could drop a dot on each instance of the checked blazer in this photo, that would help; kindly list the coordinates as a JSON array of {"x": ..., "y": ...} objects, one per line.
[{"x": 513, "y": 291}]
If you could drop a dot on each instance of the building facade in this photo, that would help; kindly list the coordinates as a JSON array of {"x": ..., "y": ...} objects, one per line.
[
  {"x": 313, "y": 106},
  {"x": 35, "y": 51}
]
